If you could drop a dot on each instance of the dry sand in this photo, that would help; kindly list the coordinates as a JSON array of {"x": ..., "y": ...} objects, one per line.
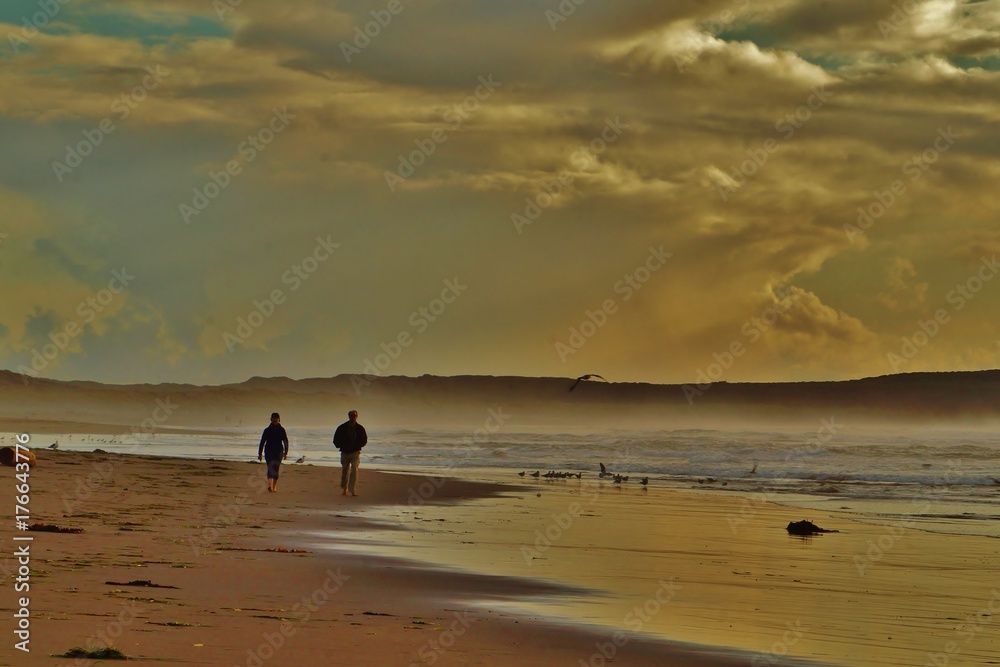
[{"x": 205, "y": 528}]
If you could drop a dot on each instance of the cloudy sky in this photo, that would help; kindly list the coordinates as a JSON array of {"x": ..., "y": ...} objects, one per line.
[{"x": 786, "y": 189}]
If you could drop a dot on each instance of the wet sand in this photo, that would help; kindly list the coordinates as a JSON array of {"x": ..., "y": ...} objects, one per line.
[
  {"x": 233, "y": 590},
  {"x": 866, "y": 595}
]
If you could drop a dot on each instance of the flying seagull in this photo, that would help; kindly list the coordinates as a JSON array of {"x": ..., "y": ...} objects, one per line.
[{"x": 585, "y": 377}]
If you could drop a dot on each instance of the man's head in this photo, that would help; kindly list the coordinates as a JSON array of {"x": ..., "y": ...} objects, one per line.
[
  {"x": 275, "y": 418},
  {"x": 353, "y": 416}
]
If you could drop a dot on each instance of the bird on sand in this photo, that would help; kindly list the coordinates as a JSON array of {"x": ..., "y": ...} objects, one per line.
[
  {"x": 536, "y": 473},
  {"x": 301, "y": 459},
  {"x": 520, "y": 474},
  {"x": 604, "y": 471},
  {"x": 585, "y": 377},
  {"x": 754, "y": 471},
  {"x": 54, "y": 445},
  {"x": 644, "y": 481}
]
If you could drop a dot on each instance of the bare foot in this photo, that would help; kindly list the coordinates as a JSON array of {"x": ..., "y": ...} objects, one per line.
[
  {"x": 344, "y": 493},
  {"x": 354, "y": 494}
]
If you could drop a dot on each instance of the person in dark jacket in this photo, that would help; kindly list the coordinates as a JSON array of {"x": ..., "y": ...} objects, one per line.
[
  {"x": 274, "y": 448},
  {"x": 350, "y": 437}
]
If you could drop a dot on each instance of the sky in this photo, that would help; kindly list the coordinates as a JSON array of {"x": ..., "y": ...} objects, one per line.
[{"x": 670, "y": 192}]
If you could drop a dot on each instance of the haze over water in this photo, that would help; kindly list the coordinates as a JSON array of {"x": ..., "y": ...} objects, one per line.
[{"x": 944, "y": 479}]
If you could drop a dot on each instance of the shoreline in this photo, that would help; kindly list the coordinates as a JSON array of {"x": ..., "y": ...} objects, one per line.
[
  {"x": 202, "y": 526},
  {"x": 870, "y": 595}
]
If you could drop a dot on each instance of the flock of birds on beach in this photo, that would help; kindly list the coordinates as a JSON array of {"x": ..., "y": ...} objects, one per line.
[
  {"x": 621, "y": 479},
  {"x": 556, "y": 474},
  {"x": 114, "y": 439}
]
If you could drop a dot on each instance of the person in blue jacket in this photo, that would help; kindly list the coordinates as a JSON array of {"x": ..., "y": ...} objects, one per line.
[{"x": 274, "y": 449}]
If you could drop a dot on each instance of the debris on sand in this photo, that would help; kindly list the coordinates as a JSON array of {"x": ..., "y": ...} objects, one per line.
[
  {"x": 107, "y": 653},
  {"x": 50, "y": 528},
  {"x": 806, "y": 528},
  {"x": 138, "y": 582}
]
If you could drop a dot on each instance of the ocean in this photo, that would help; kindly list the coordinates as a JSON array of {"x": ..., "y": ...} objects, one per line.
[{"x": 944, "y": 480}]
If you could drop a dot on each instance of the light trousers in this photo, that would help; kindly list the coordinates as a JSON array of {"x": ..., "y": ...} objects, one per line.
[{"x": 349, "y": 470}]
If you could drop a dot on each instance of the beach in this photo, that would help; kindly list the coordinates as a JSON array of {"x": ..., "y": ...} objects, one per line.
[
  {"x": 422, "y": 570},
  {"x": 241, "y": 593}
]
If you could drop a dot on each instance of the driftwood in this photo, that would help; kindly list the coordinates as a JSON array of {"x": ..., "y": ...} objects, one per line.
[
  {"x": 50, "y": 528},
  {"x": 137, "y": 582}
]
